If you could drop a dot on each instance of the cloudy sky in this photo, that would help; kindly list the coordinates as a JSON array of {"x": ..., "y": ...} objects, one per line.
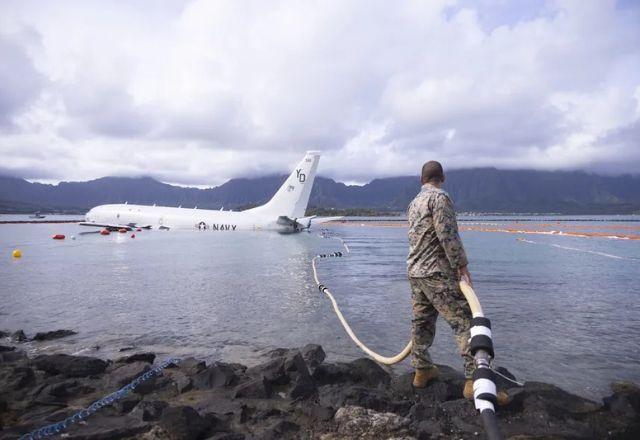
[{"x": 196, "y": 92}]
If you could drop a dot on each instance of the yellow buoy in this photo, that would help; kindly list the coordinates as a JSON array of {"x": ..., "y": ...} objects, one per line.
[{"x": 16, "y": 253}]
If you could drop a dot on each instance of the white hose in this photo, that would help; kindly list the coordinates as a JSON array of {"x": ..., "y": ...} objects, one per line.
[
  {"x": 472, "y": 299},
  {"x": 466, "y": 289},
  {"x": 377, "y": 357}
]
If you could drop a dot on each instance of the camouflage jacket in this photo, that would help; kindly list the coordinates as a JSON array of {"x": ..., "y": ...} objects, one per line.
[{"x": 434, "y": 243}]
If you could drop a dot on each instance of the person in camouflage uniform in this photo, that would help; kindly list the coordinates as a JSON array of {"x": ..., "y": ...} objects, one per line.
[{"x": 436, "y": 263}]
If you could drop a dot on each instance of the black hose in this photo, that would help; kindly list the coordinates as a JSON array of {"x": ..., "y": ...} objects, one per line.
[{"x": 490, "y": 422}]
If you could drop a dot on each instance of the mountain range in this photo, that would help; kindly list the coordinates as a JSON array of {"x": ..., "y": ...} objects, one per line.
[{"x": 473, "y": 190}]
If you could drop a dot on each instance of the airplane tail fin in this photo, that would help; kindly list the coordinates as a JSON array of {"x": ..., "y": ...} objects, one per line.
[{"x": 293, "y": 196}]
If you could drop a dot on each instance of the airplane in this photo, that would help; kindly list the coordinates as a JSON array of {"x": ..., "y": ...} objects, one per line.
[{"x": 284, "y": 212}]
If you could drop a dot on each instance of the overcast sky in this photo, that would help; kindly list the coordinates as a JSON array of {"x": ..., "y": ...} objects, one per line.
[{"x": 197, "y": 92}]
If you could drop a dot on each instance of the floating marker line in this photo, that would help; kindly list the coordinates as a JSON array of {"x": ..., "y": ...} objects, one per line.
[{"x": 586, "y": 251}]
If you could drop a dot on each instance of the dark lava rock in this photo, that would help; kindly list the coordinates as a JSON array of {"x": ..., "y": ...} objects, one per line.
[
  {"x": 19, "y": 336},
  {"x": 338, "y": 395},
  {"x": 461, "y": 416},
  {"x": 125, "y": 373},
  {"x": 427, "y": 429},
  {"x": 217, "y": 375},
  {"x": 287, "y": 367},
  {"x": 56, "y": 334},
  {"x": 329, "y": 374},
  {"x": 155, "y": 384},
  {"x": 70, "y": 366},
  {"x": 183, "y": 423},
  {"x": 5, "y": 348},
  {"x": 181, "y": 381},
  {"x": 255, "y": 389},
  {"x": 226, "y": 436},
  {"x": 537, "y": 397},
  {"x": 103, "y": 427},
  {"x": 625, "y": 399},
  {"x": 301, "y": 386},
  {"x": 62, "y": 391},
  {"x": 422, "y": 413},
  {"x": 12, "y": 356},
  {"x": 317, "y": 412},
  {"x": 128, "y": 402},
  {"x": 501, "y": 382},
  {"x": 367, "y": 371},
  {"x": 313, "y": 355},
  {"x": 191, "y": 366},
  {"x": 138, "y": 357},
  {"x": 149, "y": 410},
  {"x": 281, "y": 399},
  {"x": 281, "y": 429},
  {"x": 272, "y": 371},
  {"x": 15, "y": 378},
  {"x": 361, "y": 370}
]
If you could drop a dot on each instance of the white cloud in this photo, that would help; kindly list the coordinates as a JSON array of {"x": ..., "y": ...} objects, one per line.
[{"x": 198, "y": 92}]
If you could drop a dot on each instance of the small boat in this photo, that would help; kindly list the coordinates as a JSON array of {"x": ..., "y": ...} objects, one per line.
[{"x": 37, "y": 215}]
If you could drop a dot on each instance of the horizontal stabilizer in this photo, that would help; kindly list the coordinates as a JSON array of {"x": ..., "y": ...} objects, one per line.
[{"x": 320, "y": 220}]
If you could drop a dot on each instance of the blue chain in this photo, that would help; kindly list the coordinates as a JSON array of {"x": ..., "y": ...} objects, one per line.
[{"x": 59, "y": 427}]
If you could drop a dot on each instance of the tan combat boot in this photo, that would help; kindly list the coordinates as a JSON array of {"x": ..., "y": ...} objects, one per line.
[
  {"x": 502, "y": 397},
  {"x": 424, "y": 375}
]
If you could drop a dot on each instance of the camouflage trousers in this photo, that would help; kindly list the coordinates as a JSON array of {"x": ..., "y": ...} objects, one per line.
[{"x": 432, "y": 296}]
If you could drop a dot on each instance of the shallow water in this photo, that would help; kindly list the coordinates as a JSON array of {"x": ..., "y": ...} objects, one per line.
[{"x": 563, "y": 309}]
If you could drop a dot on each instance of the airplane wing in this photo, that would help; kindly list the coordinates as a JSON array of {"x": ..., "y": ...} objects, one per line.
[
  {"x": 300, "y": 224},
  {"x": 114, "y": 227},
  {"x": 296, "y": 224},
  {"x": 108, "y": 226}
]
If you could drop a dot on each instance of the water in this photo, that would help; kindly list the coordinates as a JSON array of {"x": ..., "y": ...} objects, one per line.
[{"x": 564, "y": 309}]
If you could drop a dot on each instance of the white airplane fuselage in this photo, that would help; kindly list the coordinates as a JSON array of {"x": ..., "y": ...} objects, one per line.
[
  {"x": 281, "y": 213},
  {"x": 181, "y": 218}
]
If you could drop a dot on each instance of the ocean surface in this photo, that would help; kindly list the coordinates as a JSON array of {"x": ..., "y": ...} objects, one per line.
[{"x": 565, "y": 308}]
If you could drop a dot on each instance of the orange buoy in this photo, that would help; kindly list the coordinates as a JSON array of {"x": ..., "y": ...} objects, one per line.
[
  {"x": 122, "y": 230},
  {"x": 105, "y": 232},
  {"x": 133, "y": 235},
  {"x": 58, "y": 237}
]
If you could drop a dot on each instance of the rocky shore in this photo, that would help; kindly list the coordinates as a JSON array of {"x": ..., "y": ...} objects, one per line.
[{"x": 293, "y": 394}]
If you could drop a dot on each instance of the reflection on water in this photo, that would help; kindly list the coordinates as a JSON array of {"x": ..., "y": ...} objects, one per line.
[{"x": 561, "y": 312}]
